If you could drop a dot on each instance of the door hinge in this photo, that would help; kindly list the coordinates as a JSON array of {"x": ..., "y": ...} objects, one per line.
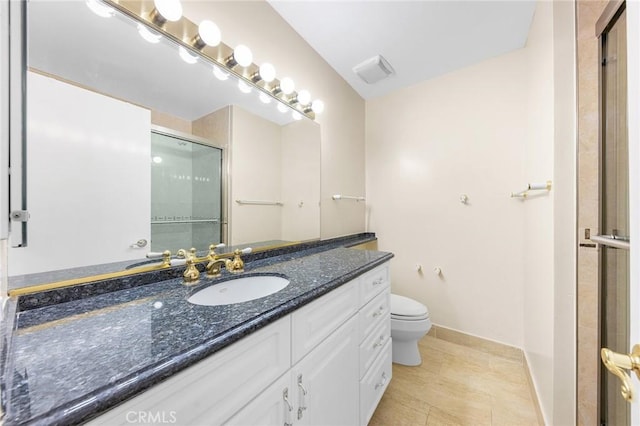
[{"x": 20, "y": 215}]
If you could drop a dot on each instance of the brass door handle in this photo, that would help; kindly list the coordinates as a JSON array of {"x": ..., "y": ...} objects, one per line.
[{"x": 617, "y": 363}]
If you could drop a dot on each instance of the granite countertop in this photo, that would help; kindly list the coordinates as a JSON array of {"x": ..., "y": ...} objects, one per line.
[{"x": 68, "y": 362}]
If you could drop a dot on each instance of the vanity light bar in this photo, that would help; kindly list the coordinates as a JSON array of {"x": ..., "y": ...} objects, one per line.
[{"x": 186, "y": 34}]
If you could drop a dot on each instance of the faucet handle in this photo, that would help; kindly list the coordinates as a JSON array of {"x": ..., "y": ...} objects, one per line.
[
  {"x": 181, "y": 254},
  {"x": 191, "y": 273},
  {"x": 212, "y": 249},
  {"x": 237, "y": 264},
  {"x": 166, "y": 258}
]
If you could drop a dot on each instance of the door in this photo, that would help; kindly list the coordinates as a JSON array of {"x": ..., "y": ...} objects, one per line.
[
  {"x": 327, "y": 380},
  {"x": 620, "y": 310}
]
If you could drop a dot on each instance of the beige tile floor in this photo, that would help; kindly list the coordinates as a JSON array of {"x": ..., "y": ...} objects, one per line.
[{"x": 457, "y": 385}]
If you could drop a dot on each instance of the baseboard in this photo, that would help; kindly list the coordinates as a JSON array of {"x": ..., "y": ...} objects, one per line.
[
  {"x": 493, "y": 348},
  {"x": 534, "y": 392},
  {"x": 478, "y": 343}
]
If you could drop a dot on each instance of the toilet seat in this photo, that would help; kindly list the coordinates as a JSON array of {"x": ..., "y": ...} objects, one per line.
[{"x": 406, "y": 309}]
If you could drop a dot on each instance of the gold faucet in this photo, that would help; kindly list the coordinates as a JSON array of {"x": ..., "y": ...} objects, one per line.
[
  {"x": 236, "y": 265},
  {"x": 191, "y": 273},
  {"x": 213, "y": 267}
]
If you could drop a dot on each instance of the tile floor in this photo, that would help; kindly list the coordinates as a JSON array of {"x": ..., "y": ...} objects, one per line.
[{"x": 457, "y": 385}]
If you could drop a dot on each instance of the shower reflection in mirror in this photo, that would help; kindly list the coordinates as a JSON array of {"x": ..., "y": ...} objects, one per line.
[{"x": 186, "y": 192}]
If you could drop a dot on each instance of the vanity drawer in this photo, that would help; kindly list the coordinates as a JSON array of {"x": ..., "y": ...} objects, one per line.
[
  {"x": 373, "y": 282},
  {"x": 374, "y": 383},
  {"x": 375, "y": 312},
  {"x": 373, "y": 345},
  {"x": 216, "y": 387},
  {"x": 311, "y": 324}
]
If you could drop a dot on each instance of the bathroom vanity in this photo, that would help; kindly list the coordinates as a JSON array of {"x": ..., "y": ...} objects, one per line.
[{"x": 316, "y": 352}]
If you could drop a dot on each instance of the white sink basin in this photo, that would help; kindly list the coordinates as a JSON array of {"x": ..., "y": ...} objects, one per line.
[{"x": 239, "y": 290}]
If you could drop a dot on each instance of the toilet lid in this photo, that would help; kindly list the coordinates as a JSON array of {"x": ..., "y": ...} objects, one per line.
[{"x": 405, "y": 306}]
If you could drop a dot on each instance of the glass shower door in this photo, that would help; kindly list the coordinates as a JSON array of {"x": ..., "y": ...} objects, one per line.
[
  {"x": 614, "y": 214},
  {"x": 186, "y": 193}
]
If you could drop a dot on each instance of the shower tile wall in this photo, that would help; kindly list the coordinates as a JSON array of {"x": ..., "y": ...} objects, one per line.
[{"x": 587, "y": 14}]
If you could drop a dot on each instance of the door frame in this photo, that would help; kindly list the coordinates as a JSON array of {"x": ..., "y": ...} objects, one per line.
[{"x": 633, "y": 111}]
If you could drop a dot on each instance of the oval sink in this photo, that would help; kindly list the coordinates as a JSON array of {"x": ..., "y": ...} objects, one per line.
[{"x": 239, "y": 290}]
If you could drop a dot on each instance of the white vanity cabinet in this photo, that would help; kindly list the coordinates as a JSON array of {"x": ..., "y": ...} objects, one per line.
[
  {"x": 374, "y": 320},
  {"x": 322, "y": 389},
  {"x": 331, "y": 366}
]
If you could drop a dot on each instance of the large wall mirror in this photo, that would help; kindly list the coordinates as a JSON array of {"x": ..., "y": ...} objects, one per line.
[{"x": 130, "y": 139}]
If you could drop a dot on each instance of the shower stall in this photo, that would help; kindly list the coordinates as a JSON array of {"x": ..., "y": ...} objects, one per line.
[
  {"x": 614, "y": 212},
  {"x": 186, "y": 192}
]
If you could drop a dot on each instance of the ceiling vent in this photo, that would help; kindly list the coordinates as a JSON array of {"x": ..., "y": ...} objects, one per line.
[{"x": 374, "y": 69}]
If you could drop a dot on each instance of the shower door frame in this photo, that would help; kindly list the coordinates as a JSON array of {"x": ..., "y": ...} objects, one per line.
[{"x": 633, "y": 136}]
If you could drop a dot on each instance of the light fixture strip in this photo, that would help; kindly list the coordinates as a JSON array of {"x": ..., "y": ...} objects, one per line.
[{"x": 183, "y": 32}]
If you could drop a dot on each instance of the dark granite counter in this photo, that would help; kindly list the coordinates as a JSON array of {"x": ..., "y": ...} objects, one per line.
[{"x": 67, "y": 362}]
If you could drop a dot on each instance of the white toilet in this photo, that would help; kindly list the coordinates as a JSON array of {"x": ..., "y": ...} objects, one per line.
[{"x": 409, "y": 323}]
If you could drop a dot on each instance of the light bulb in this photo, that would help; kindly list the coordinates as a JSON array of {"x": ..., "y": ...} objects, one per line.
[
  {"x": 186, "y": 56},
  {"x": 296, "y": 115},
  {"x": 148, "y": 35},
  {"x": 304, "y": 97},
  {"x": 266, "y": 99},
  {"x": 244, "y": 87},
  {"x": 267, "y": 72},
  {"x": 282, "y": 107},
  {"x": 287, "y": 86},
  {"x": 100, "y": 9},
  {"x": 209, "y": 33},
  {"x": 157, "y": 159},
  {"x": 242, "y": 55},
  {"x": 171, "y": 10},
  {"x": 317, "y": 106},
  {"x": 220, "y": 75}
]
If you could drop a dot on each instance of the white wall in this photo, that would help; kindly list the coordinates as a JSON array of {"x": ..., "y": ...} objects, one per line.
[
  {"x": 271, "y": 39},
  {"x": 256, "y": 161},
  {"x": 564, "y": 214},
  {"x": 538, "y": 212},
  {"x": 484, "y": 131},
  {"x": 300, "y": 181},
  {"x": 462, "y": 133}
]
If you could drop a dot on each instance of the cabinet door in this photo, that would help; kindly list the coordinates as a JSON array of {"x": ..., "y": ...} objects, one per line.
[
  {"x": 273, "y": 407},
  {"x": 326, "y": 380}
]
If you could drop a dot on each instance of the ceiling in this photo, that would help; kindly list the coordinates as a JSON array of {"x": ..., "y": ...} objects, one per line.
[{"x": 420, "y": 39}]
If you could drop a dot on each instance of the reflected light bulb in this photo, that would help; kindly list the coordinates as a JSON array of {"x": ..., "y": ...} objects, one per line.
[
  {"x": 304, "y": 97},
  {"x": 242, "y": 55},
  {"x": 209, "y": 33},
  {"x": 157, "y": 159},
  {"x": 267, "y": 72},
  {"x": 220, "y": 75},
  {"x": 148, "y": 35},
  {"x": 287, "y": 85},
  {"x": 186, "y": 56},
  {"x": 171, "y": 10},
  {"x": 296, "y": 115},
  {"x": 100, "y": 9},
  {"x": 282, "y": 107},
  {"x": 244, "y": 87},
  {"x": 266, "y": 99},
  {"x": 317, "y": 106}
]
